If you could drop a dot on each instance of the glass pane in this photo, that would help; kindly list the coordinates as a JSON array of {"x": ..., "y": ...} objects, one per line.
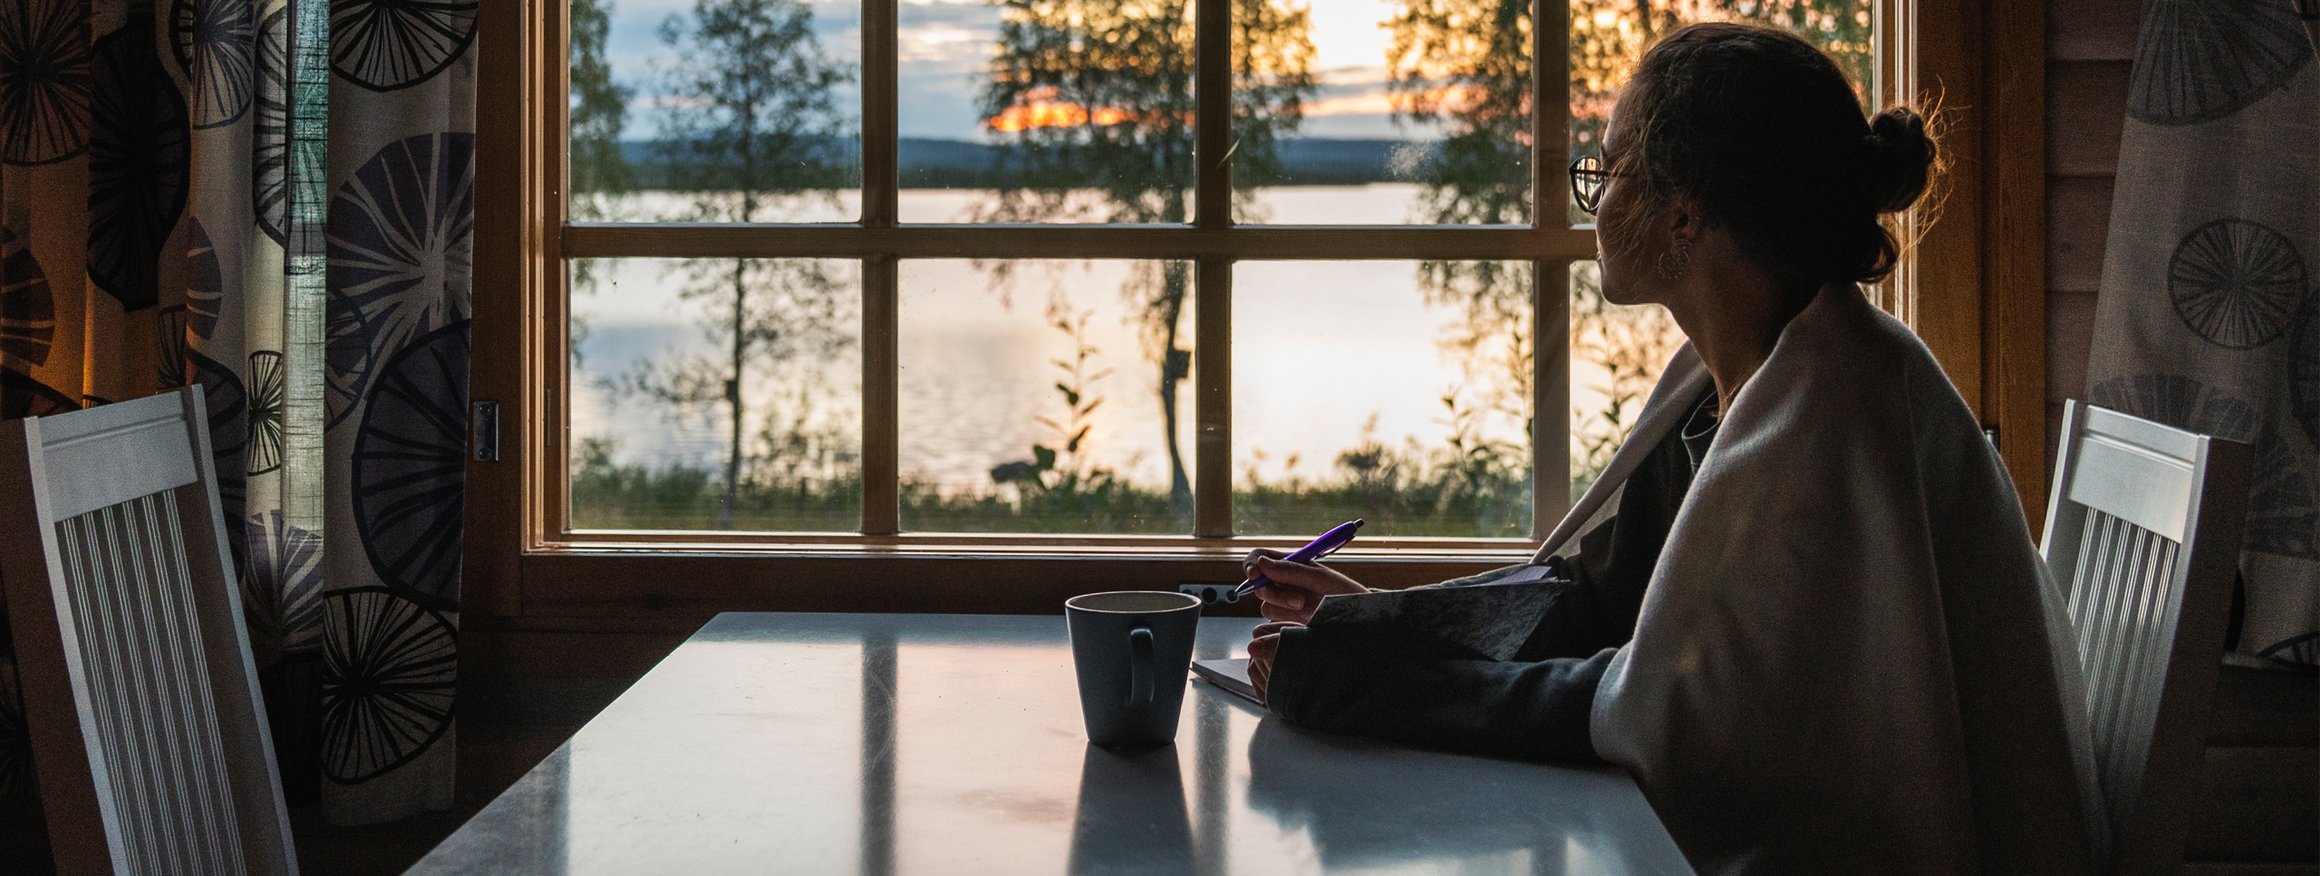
[
  {"x": 715, "y": 110},
  {"x": 1607, "y": 39},
  {"x": 1617, "y": 354},
  {"x": 1043, "y": 396},
  {"x": 1382, "y": 112},
  {"x": 666, "y": 432},
  {"x": 1397, "y": 392},
  {"x": 1057, "y": 111}
]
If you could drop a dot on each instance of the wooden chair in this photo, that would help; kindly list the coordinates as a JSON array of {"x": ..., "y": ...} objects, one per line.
[
  {"x": 148, "y": 733},
  {"x": 2143, "y": 532}
]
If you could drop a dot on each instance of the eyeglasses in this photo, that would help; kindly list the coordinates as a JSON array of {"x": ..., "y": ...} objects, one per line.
[{"x": 1588, "y": 176}]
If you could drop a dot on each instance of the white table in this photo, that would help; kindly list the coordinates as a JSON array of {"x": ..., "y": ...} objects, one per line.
[{"x": 878, "y": 744}]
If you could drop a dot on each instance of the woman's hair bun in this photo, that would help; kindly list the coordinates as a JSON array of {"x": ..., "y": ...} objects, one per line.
[{"x": 1901, "y": 157}]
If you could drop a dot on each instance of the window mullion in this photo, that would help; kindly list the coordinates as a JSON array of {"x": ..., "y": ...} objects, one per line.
[
  {"x": 1550, "y": 278},
  {"x": 881, "y": 316},
  {"x": 881, "y": 382},
  {"x": 1550, "y": 119},
  {"x": 1550, "y": 393},
  {"x": 881, "y": 165},
  {"x": 1212, "y": 113},
  {"x": 1212, "y": 410},
  {"x": 1212, "y": 276}
]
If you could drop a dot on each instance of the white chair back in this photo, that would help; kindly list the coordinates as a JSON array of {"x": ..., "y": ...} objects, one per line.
[
  {"x": 2143, "y": 532},
  {"x": 149, "y": 737}
]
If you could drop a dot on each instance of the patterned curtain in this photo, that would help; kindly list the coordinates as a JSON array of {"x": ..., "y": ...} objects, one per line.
[
  {"x": 2208, "y": 319},
  {"x": 274, "y": 199}
]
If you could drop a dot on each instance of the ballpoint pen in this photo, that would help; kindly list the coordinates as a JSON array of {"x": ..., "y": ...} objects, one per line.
[{"x": 1327, "y": 544}]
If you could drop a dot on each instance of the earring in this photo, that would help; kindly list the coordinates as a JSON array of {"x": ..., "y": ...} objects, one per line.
[{"x": 1673, "y": 261}]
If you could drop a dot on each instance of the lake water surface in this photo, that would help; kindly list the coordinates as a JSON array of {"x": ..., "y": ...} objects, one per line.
[{"x": 1327, "y": 356}]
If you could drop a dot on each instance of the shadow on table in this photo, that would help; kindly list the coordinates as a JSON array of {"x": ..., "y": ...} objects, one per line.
[
  {"x": 1131, "y": 816},
  {"x": 1366, "y": 804}
]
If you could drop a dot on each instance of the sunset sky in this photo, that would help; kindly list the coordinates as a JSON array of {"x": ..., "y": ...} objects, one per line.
[{"x": 944, "y": 44}]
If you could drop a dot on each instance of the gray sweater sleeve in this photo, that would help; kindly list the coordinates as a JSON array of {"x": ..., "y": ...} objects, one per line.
[
  {"x": 1534, "y": 710},
  {"x": 1376, "y": 681}
]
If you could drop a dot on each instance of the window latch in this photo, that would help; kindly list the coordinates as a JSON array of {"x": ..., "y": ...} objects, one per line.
[{"x": 484, "y": 420}]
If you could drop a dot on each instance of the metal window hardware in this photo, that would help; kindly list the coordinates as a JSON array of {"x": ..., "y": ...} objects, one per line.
[{"x": 484, "y": 420}]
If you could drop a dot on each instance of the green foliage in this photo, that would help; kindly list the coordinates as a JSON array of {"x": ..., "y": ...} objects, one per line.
[
  {"x": 1403, "y": 491},
  {"x": 747, "y": 116},
  {"x": 1630, "y": 345},
  {"x": 599, "y": 170},
  {"x": 607, "y": 494},
  {"x": 597, "y": 166},
  {"x": 1092, "y": 105},
  {"x": 746, "y": 108},
  {"x": 1064, "y": 484},
  {"x": 1464, "y": 67}
]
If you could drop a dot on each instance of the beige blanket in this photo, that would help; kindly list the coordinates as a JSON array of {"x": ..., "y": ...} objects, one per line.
[{"x": 1842, "y": 664}]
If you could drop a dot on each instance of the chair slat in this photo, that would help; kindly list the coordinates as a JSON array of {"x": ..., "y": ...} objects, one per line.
[
  {"x": 88, "y": 473},
  {"x": 154, "y": 750},
  {"x": 2137, "y": 486},
  {"x": 2142, "y": 527},
  {"x": 134, "y": 591}
]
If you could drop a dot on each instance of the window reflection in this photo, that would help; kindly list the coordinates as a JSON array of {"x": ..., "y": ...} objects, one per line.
[{"x": 633, "y": 772}]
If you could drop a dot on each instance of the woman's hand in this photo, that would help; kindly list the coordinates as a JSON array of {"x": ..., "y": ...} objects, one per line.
[
  {"x": 1264, "y": 645},
  {"x": 1297, "y": 588}
]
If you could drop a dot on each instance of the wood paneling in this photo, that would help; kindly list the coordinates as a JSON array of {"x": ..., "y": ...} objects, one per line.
[
  {"x": 494, "y": 489},
  {"x": 2091, "y": 30},
  {"x": 2069, "y": 334},
  {"x": 2013, "y": 301},
  {"x": 2086, "y": 107},
  {"x": 2078, "y": 213}
]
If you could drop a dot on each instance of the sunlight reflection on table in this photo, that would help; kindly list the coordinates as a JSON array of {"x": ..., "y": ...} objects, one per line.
[{"x": 953, "y": 744}]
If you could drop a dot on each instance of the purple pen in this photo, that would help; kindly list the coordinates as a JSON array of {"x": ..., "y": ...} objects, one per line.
[{"x": 1327, "y": 544}]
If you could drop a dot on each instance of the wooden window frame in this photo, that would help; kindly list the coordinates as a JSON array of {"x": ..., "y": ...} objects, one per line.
[{"x": 1956, "y": 288}]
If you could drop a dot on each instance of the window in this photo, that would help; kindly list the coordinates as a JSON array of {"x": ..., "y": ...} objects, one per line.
[{"x": 956, "y": 277}]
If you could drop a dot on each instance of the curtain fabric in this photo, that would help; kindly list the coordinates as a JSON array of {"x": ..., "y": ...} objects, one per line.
[
  {"x": 2208, "y": 319},
  {"x": 274, "y": 199}
]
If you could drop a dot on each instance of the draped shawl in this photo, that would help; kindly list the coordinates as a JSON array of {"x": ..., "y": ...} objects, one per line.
[{"x": 1844, "y": 660}]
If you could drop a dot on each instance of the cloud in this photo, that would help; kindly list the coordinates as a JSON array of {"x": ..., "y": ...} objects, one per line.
[{"x": 974, "y": 13}]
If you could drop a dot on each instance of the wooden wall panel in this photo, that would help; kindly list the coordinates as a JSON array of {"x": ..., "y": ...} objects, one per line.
[
  {"x": 2069, "y": 316},
  {"x": 2091, "y": 30},
  {"x": 2085, "y": 108},
  {"x": 2078, "y": 211}
]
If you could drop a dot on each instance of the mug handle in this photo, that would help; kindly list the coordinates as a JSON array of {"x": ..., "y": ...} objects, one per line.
[{"x": 1140, "y": 666}]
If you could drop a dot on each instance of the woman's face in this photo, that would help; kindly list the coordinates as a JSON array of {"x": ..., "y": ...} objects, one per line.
[{"x": 1627, "y": 243}]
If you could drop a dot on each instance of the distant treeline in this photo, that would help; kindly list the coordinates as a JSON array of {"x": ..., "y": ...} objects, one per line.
[{"x": 960, "y": 164}]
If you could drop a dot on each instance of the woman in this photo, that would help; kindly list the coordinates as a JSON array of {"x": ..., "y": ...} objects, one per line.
[{"x": 1801, "y": 607}]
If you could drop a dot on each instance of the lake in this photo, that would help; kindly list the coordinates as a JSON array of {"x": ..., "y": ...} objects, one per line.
[{"x": 1328, "y": 356}]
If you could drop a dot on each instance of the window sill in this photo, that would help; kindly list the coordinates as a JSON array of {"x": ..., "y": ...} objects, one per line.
[{"x": 691, "y": 582}]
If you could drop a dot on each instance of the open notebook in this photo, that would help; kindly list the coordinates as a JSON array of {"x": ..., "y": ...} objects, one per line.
[{"x": 1231, "y": 675}]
